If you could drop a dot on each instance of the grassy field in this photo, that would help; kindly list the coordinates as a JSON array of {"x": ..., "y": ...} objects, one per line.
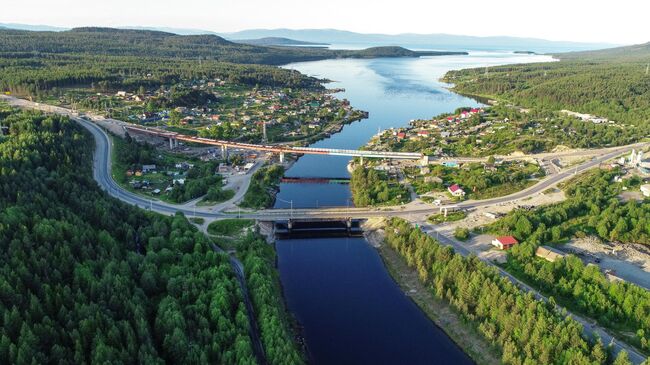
[{"x": 229, "y": 227}]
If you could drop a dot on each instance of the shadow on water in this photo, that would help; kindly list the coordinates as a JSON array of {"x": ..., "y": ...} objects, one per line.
[{"x": 351, "y": 310}]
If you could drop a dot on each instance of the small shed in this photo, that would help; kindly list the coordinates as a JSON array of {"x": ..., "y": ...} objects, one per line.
[{"x": 549, "y": 253}]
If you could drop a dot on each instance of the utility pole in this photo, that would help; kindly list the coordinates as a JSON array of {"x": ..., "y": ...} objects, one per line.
[{"x": 264, "y": 139}]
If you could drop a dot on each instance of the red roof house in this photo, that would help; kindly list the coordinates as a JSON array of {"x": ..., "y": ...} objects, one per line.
[
  {"x": 504, "y": 242},
  {"x": 456, "y": 190}
]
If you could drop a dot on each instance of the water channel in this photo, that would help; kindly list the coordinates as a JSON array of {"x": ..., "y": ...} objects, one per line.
[{"x": 338, "y": 289}]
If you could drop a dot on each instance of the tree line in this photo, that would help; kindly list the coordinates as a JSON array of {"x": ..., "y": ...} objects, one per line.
[{"x": 523, "y": 329}]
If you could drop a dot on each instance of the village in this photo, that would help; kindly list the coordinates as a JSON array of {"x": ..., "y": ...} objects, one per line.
[{"x": 223, "y": 110}]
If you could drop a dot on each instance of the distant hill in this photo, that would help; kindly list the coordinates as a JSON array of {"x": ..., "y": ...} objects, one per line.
[
  {"x": 355, "y": 40},
  {"x": 638, "y": 52},
  {"x": 278, "y": 41},
  {"x": 411, "y": 40},
  {"x": 154, "y": 43},
  {"x": 19, "y": 26}
]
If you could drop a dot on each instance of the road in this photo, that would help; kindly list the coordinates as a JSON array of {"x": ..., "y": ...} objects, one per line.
[{"x": 102, "y": 174}]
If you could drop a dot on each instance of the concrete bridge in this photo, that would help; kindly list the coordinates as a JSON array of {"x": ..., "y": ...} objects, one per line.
[{"x": 279, "y": 149}]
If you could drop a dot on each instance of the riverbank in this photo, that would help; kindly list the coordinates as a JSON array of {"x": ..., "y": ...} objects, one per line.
[{"x": 440, "y": 312}]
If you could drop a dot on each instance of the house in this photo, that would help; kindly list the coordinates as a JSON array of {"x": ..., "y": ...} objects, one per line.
[
  {"x": 423, "y": 133},
  {"x": 249, "y": 166},
  {"x": 401, "y": 135},
  {"x": 148, "y": 168},
  {"x": 645, "y": 190},
  {"x": 456, "y": 190},
  {"x": 504, "y": 242},
  {"x": 548, "y": 253}
]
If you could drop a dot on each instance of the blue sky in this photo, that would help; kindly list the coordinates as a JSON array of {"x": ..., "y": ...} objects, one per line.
[{"x": 620, "y": 21}]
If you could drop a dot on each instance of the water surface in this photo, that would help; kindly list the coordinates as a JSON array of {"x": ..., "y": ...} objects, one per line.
[{"x": 351, "y": 310}]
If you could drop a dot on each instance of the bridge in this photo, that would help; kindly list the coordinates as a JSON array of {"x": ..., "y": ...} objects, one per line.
[{"x": 174, "y": 137}]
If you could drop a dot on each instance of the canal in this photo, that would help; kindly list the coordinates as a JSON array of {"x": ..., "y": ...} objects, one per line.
[{"x": 338, "y": 289}]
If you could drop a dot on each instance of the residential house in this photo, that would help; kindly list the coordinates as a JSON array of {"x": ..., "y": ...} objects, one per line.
[
  {"x": 645, "y": 190},
  {"x": 456, "y": 190},
  {"x": 504, "y": 242},
  {"x": 148, "y": 168}
]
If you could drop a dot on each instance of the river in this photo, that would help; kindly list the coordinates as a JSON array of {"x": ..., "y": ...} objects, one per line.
[{"x": 351, "y": 310}]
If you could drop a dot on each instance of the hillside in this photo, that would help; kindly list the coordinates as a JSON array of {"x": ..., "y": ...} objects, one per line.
[
  {"x": 277, "y": 41},
  {"x": 151, "y": 43},
  {"x": 413, "y": 40},
  {"x": 612, "y": 83}
]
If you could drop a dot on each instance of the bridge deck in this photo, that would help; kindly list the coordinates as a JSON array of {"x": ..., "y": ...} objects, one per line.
[{"x": 277, "y": 149}]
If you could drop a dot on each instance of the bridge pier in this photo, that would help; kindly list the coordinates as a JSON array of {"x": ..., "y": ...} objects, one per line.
[
  {"x": 424, "y": 161},
  {"x": 445, "y": 209},
  {"x": 361, "y": 161},
  {"x": 281, "y": 157},
  {"x": 224, "y": 152},
  {"x": 171, "y": 143}
]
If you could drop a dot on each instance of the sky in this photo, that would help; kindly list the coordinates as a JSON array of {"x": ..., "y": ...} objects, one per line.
[{"x": 619, "y": 22}]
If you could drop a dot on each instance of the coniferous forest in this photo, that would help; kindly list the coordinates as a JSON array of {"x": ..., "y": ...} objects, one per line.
[{"x": 85, "y": 278}]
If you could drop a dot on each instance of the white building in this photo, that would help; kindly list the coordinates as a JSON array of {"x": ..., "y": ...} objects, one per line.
[{"x": 645, "y": 189}]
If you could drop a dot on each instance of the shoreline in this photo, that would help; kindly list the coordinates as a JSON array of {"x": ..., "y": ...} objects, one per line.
[{"x": 436, "y": 310}]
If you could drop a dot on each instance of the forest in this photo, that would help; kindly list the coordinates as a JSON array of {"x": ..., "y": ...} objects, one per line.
[
  {"x": 371, "y": 187},
  {"x": 591, "y": 208},
  {"x": 263, "y": 281},
  {"x": 85, "y": 278},
  {"x": 612, "y": 83},
  {"x": 523, "y": 329},
  {"x": 263, "y": 186}
]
